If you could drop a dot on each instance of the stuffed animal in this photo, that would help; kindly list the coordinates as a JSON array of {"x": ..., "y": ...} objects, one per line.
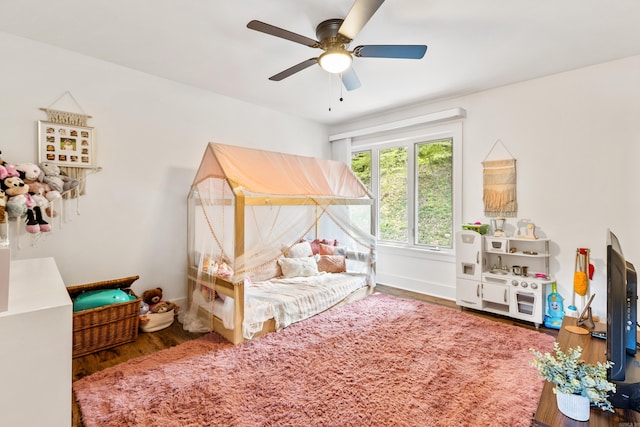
[
  {"x": 155, "y": 314},
  {"x": 7, "y": 169},
  {"x": 42, "y": 192},
  {"x": 163, "y": 307},
  {"x": 18, "y": 198},
  {"x": 21, "y": 202},
  {"x": 56, "y": 179},
  {"x": 29, "y": 172},
  {"x": 144, "y": 307},
  {"x": 33, "y": 176},
  {"x": 153, "y": 299},
  {"x": 152, "y": 296}
]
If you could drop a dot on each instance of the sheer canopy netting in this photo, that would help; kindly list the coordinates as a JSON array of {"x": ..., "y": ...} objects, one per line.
[{"x": 247, "y": 208}]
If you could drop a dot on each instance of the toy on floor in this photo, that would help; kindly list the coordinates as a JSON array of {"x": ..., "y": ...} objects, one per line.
[
  {"x": 100, "y": 298},
  {"x": 555, "y": 309},
  {"x": 155, "y": 314}
]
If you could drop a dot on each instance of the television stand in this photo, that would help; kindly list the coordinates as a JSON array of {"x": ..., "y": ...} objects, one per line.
[{"x": 593, "y": 350}]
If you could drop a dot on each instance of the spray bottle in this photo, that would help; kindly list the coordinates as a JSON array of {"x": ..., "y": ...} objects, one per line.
[{"x": 555, "y": 310}]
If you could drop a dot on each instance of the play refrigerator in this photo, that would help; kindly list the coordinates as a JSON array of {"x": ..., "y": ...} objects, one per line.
[{"x": 469, "y": 265}]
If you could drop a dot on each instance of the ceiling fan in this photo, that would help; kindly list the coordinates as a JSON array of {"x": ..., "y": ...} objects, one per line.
[{"x": 335, "y": 35}]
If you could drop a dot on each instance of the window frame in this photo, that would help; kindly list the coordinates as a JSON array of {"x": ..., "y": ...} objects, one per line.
[{"x": 409, "y": 138}]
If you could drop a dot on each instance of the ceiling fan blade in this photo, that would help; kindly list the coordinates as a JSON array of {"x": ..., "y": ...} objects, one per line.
[
  {"x": 350, "y": 80},
  {"x": 358, "y": 16},
  {"x": 279, "y": 32},
  {"x": 390, "y": 51},
  {"x": 292, "y": 70}
]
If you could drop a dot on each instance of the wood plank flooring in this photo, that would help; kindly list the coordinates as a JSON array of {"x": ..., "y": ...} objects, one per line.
[{"x": 148, "y": 343}]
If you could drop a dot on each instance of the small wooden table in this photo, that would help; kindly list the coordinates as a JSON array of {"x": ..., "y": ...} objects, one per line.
[{"x": 593, "y": 350}]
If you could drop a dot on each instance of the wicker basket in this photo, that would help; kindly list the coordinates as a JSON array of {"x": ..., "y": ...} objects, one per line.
[{"x": 104, "y": 327}]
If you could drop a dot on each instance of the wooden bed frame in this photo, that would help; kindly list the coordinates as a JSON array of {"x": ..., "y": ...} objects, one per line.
[
  {"x": 236, "y": 291},
  {"x": 239, "y": 200}
]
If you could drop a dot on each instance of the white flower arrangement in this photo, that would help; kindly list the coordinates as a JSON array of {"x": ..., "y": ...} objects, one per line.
[{"x": 571, "y": 375}]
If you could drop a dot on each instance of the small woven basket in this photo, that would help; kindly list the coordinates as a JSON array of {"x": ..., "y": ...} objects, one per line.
[{"x": 105, "y": 327}]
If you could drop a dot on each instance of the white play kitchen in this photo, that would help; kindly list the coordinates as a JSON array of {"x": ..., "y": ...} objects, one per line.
[{"x": 503, "y": 275}]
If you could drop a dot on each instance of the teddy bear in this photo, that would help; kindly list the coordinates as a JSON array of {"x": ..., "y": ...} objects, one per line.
[
  {"x": 152, "y": 296},
  {"x": 56, "y": 179},
  {"x": 163, "y": 307},
  {"x": 153, "y": 299},
  {"x": 21, "y": 203}
]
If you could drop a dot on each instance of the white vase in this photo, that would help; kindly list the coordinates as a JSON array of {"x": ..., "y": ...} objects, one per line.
[{"x": 574, "y": 406}]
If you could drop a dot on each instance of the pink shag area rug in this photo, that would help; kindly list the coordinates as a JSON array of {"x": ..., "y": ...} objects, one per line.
[{"x": 380, "y": 361}]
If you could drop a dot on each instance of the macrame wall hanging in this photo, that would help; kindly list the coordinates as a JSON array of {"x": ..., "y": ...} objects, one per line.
[
  {"x": 66, "y": 156},
  {"x": 66, "y": 140},
  {"x": 499, "y": 183}
]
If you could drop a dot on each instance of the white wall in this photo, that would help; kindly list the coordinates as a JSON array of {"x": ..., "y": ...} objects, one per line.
[
  {"x": 576, "y": 138},
  {"x": 151, "y": 134}
]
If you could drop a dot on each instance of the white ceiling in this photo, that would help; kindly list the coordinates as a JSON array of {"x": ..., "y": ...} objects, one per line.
[{"x": 473, "y": 45}]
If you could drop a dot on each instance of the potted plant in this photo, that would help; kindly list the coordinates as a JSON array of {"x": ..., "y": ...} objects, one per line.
[{"x": 577, "y": 384}]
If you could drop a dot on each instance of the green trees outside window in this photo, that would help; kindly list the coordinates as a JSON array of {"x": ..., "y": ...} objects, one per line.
[
  {"x": 435, "y": 193},
  {"x": 424, "y": 217}
]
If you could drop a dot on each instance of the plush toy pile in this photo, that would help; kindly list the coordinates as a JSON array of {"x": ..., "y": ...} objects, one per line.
[
  {"x": 28, "y": 191},
  {"x": 155, "y": 314}
]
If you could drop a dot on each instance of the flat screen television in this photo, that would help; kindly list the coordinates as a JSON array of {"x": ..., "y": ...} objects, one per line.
[{"x": 622, "y": 295}]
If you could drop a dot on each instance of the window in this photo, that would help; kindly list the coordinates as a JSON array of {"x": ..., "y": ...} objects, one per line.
[
  {"x": 434, "y": 194},
  {"x": 412, "y": 176},
  {"x": 392, "y": 195}
]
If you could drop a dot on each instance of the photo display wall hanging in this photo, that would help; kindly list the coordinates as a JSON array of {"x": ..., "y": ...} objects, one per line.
[
  {"x": 66, "y": 145},
  {"x": 66, "y": 140}
]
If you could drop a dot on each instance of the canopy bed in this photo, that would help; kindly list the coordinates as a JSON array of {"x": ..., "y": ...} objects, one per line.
[{"x": 273, "y": 239}]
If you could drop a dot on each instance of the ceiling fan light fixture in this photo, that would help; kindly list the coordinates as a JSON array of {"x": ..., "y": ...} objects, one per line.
[{"x": 335, "y": 60}]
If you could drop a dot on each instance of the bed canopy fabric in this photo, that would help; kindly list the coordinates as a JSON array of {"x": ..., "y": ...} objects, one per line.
[
  {"x": 272, "y": 173},
  {"x": 249, "y": 207}
]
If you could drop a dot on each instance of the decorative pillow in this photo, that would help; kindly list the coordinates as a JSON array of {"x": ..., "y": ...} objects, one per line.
[
  {"x": 332, "y": 264},
  {"x": 265, "y": 272},
  {"x": 298, "y": 267},
  {"x": 327, "y": 249},
  {"x": 315, "y": 244},
  {"x": 300, "y": 250}
]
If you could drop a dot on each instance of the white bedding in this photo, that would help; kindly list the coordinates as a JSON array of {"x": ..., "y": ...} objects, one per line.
[{"x": 289, "y": 300}]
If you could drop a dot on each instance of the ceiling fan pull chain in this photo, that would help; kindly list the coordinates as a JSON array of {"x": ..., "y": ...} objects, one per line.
[{"x": 330, "y": 90}]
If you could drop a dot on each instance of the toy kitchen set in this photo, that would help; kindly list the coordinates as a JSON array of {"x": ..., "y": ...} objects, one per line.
[{"x": 503, "y": 274}]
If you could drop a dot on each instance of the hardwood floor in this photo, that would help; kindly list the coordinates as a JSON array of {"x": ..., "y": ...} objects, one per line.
[{"x": 148, "y": 343}]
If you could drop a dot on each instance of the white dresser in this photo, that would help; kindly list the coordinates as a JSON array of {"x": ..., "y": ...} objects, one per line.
[{"x": 35, "y": 347}]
